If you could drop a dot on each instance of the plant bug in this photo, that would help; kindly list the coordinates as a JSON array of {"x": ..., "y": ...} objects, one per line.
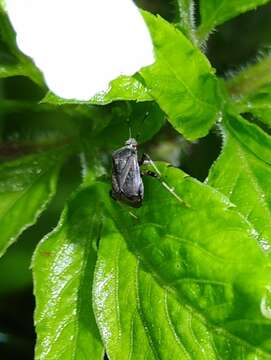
[{"x": 127, "y": 184}]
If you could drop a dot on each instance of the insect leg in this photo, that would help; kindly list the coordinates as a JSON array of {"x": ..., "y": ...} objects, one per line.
[
  {"x": 157, "y": 174},
  {"x": 112, "y": 195},
  {"x": 145, "y": 159}
]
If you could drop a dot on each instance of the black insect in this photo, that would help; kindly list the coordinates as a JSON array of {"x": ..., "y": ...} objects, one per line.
[{"x": 127, "y": 184}]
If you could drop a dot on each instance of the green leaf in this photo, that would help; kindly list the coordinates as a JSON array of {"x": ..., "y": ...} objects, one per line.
[
  {"x": 181, "y": 81},
  {"x": 63, "y": 268},
  {"x": 155, "y": 323},
  {"x": 242, "y": 172},
  {"x": 122, "y": 88},
  {"x": 216, "y": 12},
  {"x": 192, "y": 282},
  {"x": 26, "y": 187}
]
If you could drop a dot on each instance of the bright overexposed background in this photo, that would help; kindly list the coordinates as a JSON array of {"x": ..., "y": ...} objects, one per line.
[{"x": 81, "y": 45}]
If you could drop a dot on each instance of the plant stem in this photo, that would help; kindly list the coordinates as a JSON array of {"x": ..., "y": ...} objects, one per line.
[
  {"x": 250, "y": 79},
  {"x": 186, "y": 19}
]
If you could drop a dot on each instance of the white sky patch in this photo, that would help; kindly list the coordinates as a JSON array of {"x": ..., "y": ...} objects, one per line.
[{"x": 80, "y": 46}]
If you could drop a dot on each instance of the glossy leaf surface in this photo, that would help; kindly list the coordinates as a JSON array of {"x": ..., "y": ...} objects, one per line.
[
  {"x": 242, "y": 172},
  {"x": 26, "y": 186},
  {"x": 63, "y": 268},
  {"x": 187, "y": 90},
  {"x": 185, "y": 285}
]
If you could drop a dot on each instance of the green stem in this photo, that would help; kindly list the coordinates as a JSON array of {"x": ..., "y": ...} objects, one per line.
[
  {"x": 250, "y": 79},
  {"x": 186, "y": 19}
]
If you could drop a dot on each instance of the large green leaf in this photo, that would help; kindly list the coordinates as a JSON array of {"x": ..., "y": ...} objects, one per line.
[
  {"x": 138, "y": 318},
  {"x": 63, "y": 268},
  {"x": 26, "y": 186},
  {"x": 216, "y": 12},
  {"x": 243, "y": 171},
  {"x": 181, "y": 81},
  {"x": 192, "y": 283}
]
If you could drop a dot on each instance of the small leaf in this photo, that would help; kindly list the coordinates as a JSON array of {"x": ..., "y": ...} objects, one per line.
[
  {"x": 26, "y": 186},
  {"x": 243, "y": 171},
  {"x": 187, "y": 89},
  {"x": 193, "y": 282},
  {"x": 63, "y": 268},
  {"x": 216, "y": 12}
]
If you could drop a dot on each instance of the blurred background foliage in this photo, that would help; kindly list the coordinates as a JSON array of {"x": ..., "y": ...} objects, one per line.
[{"x": 25, "y": 128}]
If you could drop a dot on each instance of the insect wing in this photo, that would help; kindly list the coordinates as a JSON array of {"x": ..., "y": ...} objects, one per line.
[{"x": 126, "y": 173}]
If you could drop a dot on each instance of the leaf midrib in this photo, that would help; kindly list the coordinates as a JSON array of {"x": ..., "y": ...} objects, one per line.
[{"x": 87, "y": 247}]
